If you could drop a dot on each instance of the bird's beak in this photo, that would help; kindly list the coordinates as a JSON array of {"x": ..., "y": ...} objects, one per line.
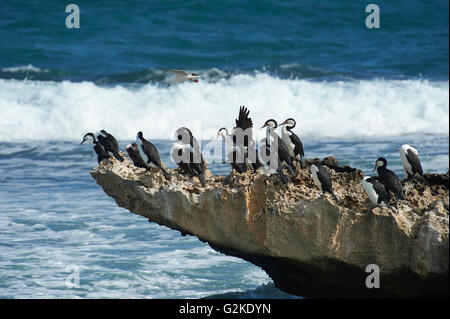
[
  {"x": 82, "y": 141},
  {"x": 285, "y": 122},
  {"x": 263, "y": 126},
  {"x": 374, "y": 168}
]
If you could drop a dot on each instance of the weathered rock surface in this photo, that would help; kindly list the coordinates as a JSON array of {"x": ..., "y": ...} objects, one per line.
[{"x": 307, "y": 243}]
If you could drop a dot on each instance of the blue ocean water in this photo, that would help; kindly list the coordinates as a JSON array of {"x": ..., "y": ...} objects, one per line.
[
  {"x": 356, "y": 93},
  {"x": 129, "y": 41}
]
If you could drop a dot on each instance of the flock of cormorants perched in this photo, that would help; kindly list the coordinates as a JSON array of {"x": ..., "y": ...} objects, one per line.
[{"x": 275, "y": 154}]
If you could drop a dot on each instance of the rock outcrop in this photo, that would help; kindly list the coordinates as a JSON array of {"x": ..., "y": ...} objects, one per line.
[{"x": 306, "y": 242}]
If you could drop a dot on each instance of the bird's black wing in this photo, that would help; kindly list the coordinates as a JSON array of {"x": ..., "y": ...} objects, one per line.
[
  {"x": 284, "y": 155},
  {"x": 237, "y": 161},
  {"x": 113, "y": 141},
  {"x": 177, "y": 153},
  {"x": 109, "y": 143},
  {"x": 325, "y": 179},
  {"x": 283, "y": 150},
  {"x": 195, "y": 144},
  {"x": 381, "y": 181},
  {"x": 194, "y": 156},
  {"x": 195, "y": 152},
  {"x": 380, "y": 190},
  {"x": 101, "y": 154},
  {"x": 245, "y": 124},
  {"x": 243, "y": 121},
  {"x": 415, "y": 162},
  {"x": 151, "y": 152},
  {"x": 192, "y": 140},
  {"x": 138, "y": 161},
  {"x": 104, "y": 142},
  {"x": 394, "y": 183},
  {"x": 239, "y": 167},
  {"x": 198, "y": 168},
  {"x": 298, "y": 150}
]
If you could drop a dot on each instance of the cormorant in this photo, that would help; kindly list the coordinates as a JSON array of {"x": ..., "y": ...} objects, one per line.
[
  {"x": 101, "y": 153},
  {"x": 292, "y": 141},
  {"x": 388, "y": 178}
]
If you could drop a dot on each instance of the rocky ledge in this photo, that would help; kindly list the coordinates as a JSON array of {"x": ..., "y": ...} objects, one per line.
[{"x": 306, "y": 242}]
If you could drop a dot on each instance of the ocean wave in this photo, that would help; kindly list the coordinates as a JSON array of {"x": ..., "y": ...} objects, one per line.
[
  {"x": 152, "y": 75},
  {"x": 39, "y": 110},
  {"x": 213, "y": 75},
  {"x": 24, "y": 68}
]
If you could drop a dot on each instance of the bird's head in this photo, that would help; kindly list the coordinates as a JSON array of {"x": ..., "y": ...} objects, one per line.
[
  {"x": 183, "y": 135},
  {"x": 290, "y": 122},
  {"x": 380, "y": 162},
  {"x": 88, "y": 137},
  {"x": 272, "y": 124},
  {"x": 405, "y": 147},
  {"x": 222, "y": 132}
]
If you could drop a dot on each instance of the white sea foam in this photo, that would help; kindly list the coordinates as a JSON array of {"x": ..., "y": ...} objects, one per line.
[
  {"x": 24, "y": 68},
  {"x": 32, "y": 110}
]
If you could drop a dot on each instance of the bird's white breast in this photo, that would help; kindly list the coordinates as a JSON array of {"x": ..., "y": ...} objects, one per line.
[
  {"x": 407, "y": 168},
  {"x": 370, "y": 191}
]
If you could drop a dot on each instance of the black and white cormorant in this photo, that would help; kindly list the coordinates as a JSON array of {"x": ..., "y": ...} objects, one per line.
[
  {"x": 410, "y": 160},
  {"x": 375, "y": 190},
  {"x": 235, "y": 155},
  {"x": 101, "y": 153},
  {"x": 388, "y": 178},
  {"x": 246, "y": 144},
  {"x": 151, "y": 152},
  {"x": 110, "y": 144},
  {"x": 135, "y": 155},
  {"x": 187, "y": 155},
  {"x": 322, "y": 179},
  {"x": 283, "y": 151},
  {"x": 292, "y": 141},
  {"x": 270, "y": 152}
]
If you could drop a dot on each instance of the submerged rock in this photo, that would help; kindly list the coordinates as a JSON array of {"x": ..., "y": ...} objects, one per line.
[{"x": 306, "y": 242}]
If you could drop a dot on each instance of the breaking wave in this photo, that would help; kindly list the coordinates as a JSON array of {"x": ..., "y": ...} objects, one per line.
[
  {"x": 24, "y": 68},
  {"x": 44, "y": 110}
]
